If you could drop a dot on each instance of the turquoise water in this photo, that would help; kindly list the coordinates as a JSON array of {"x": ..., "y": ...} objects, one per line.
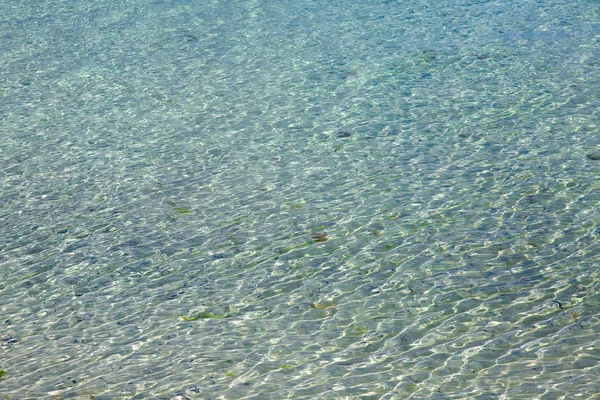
[{"x": 300, "y": 199}]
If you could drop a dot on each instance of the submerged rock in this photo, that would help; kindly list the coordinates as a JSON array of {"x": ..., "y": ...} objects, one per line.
[
  {"x": 320, "y": 237},
  {"x": 594, "y": 155}
]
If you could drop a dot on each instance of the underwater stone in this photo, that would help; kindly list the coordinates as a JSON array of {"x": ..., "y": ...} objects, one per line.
[
  {"x": 320, "y": 237},
  {"x": 593, "y": 156}
]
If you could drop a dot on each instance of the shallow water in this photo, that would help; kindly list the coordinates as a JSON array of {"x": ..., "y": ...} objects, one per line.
[{"x": 316, "y": 199}]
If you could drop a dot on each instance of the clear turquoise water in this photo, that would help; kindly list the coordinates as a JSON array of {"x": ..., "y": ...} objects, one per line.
[{"x": 181, "y": 215}]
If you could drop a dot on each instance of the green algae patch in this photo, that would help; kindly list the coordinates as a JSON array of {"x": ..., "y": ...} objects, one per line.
[
  {"x": 181, "y": 210},
  {"x": 355, "y": 330},
  {"x": 2, "y": 373},
  {"x": 204, "y": 315}
]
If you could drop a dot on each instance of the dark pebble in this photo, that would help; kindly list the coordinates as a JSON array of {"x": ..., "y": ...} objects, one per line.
[
  {"x": 593, "y": 156},
  {"x": 190, "y": 38},
  {"x": 343, "y": 134},
  {"x": 320, "y": 237}
]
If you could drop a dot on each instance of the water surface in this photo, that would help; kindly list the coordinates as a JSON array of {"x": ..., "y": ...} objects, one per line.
[{"x": 299, "y": 199}]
